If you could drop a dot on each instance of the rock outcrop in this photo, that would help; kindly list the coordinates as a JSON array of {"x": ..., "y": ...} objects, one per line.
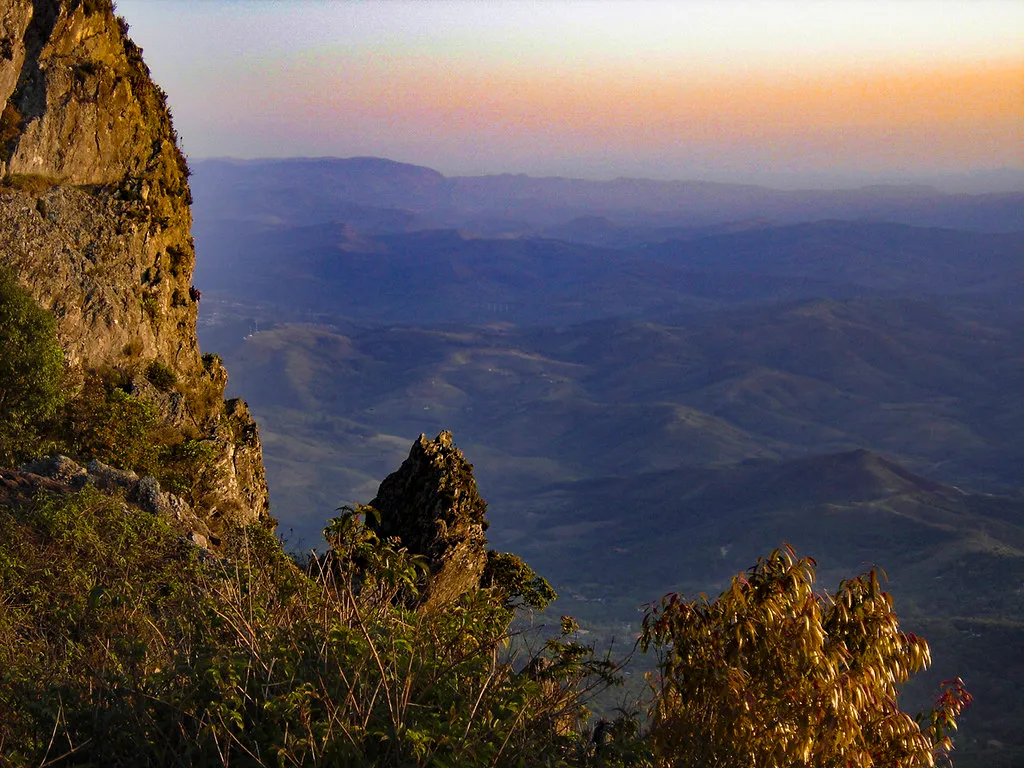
[
  {"x": 432, "y": 505},
  {"x": 95, "y": 222},
  {"x": 59, "y": 474}
]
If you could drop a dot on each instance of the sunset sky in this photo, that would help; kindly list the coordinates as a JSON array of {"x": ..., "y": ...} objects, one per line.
[{"x": 777, "y": 92}]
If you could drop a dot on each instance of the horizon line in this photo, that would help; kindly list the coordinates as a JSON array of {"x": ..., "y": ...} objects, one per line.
[{"x": 840, "y": 180}]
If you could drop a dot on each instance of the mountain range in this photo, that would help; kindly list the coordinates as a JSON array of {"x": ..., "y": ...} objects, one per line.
[
  {"x": 656, "y": 382},
  {"x": 381, "y": 195}
]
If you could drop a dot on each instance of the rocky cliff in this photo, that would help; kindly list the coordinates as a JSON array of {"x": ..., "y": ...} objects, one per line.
[{"x": 95, "y": 222}]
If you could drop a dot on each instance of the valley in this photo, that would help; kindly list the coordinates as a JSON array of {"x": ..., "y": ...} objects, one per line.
[{"x": 652, "y": 398}]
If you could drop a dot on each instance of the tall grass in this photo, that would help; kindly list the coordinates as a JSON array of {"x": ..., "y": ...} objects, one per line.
[{"x": 121, "y": 644}]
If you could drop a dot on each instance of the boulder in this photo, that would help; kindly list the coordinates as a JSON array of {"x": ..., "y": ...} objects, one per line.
[
  {"x": 108, "y": 478},
  {"x": 59, "y": 468}
]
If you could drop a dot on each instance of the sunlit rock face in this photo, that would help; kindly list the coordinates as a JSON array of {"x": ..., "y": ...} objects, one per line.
[{"x": 95, "y": 221}]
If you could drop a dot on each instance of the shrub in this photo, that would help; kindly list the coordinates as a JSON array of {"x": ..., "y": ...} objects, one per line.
[
  {"x": 151, "y": 306},
  {"x": 212, "y": 362},
  {"x": 515, "y": 583},
  {"x": 188, "y": 469},
  {"x": 10, "y": 125},
  {"x": 31, "y": 370},
  {"x": 108, "y": 423},
  {"x": 91, "y": 596},
  {"x": 161, "y": 376},
  {"x": 132, "y": 348},
  {"x": 772, "y": 673},
  {"x": 123, "y": 646}
]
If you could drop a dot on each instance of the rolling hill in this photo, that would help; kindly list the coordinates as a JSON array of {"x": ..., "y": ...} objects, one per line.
[{"x": 651, "y": 399}]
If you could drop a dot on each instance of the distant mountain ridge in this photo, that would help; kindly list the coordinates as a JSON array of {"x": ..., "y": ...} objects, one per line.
[
  {"x": 880, "y": 255},
  {"x": 446, "y": 275},
  {"x": 317, "y": 189}
]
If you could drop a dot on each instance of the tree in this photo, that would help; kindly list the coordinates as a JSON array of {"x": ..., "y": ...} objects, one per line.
[
  {"x": 31, "y": 369},
  {"x": 773, "y": 673}
]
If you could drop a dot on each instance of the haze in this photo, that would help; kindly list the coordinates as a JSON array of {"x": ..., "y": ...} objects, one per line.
[{"x": 783, "y": 92}]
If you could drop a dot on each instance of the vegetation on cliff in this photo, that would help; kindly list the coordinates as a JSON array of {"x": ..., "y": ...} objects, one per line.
[
  {"x": 124, "y": 643},
  {"x": 31, "y": 369},
  {"x": 121, "y": 644},
  {"x": 95, "y": 222}
]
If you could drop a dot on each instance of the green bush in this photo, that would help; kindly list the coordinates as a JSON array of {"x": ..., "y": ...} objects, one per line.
[
  {"x": 151, "y": 306},
  {"x": 161, "y": 376},
  {"x": 108, "y": 423},
  {"x": 31, "y": 370},
  {"x": 121, "y": 646},
  {"x": 112, "y": 421},
  {"x": 188, "y": 469},
  {"x": 515, "y": 583}
]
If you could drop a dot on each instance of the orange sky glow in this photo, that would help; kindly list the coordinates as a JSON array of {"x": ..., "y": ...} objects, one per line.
[
  {"x": 953, "y": 116},
  {"x": 600, "y": 89}
]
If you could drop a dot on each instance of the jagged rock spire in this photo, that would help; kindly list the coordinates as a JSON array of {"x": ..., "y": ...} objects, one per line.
[{"x": 431, "y": 503}]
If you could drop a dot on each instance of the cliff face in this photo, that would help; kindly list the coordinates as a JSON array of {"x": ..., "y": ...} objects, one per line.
[
  {"x": 95, "y": 221},
  {"x": 96, "y": 210}
]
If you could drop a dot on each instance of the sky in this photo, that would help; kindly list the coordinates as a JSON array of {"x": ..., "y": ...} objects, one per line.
[{"x": 795, "y": 93}]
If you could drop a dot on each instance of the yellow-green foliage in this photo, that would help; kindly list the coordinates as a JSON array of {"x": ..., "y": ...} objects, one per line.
[
  {"x": 121, "y": 644},
  {"x": 92, "y": 597},
  {"x": 188, "y": 468},
  {"x": 161, "y": 376},
  {"x": 773, "y": 673},
  {"x": 108, "y": 423},
  {"x": 516, "y": 583}
]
